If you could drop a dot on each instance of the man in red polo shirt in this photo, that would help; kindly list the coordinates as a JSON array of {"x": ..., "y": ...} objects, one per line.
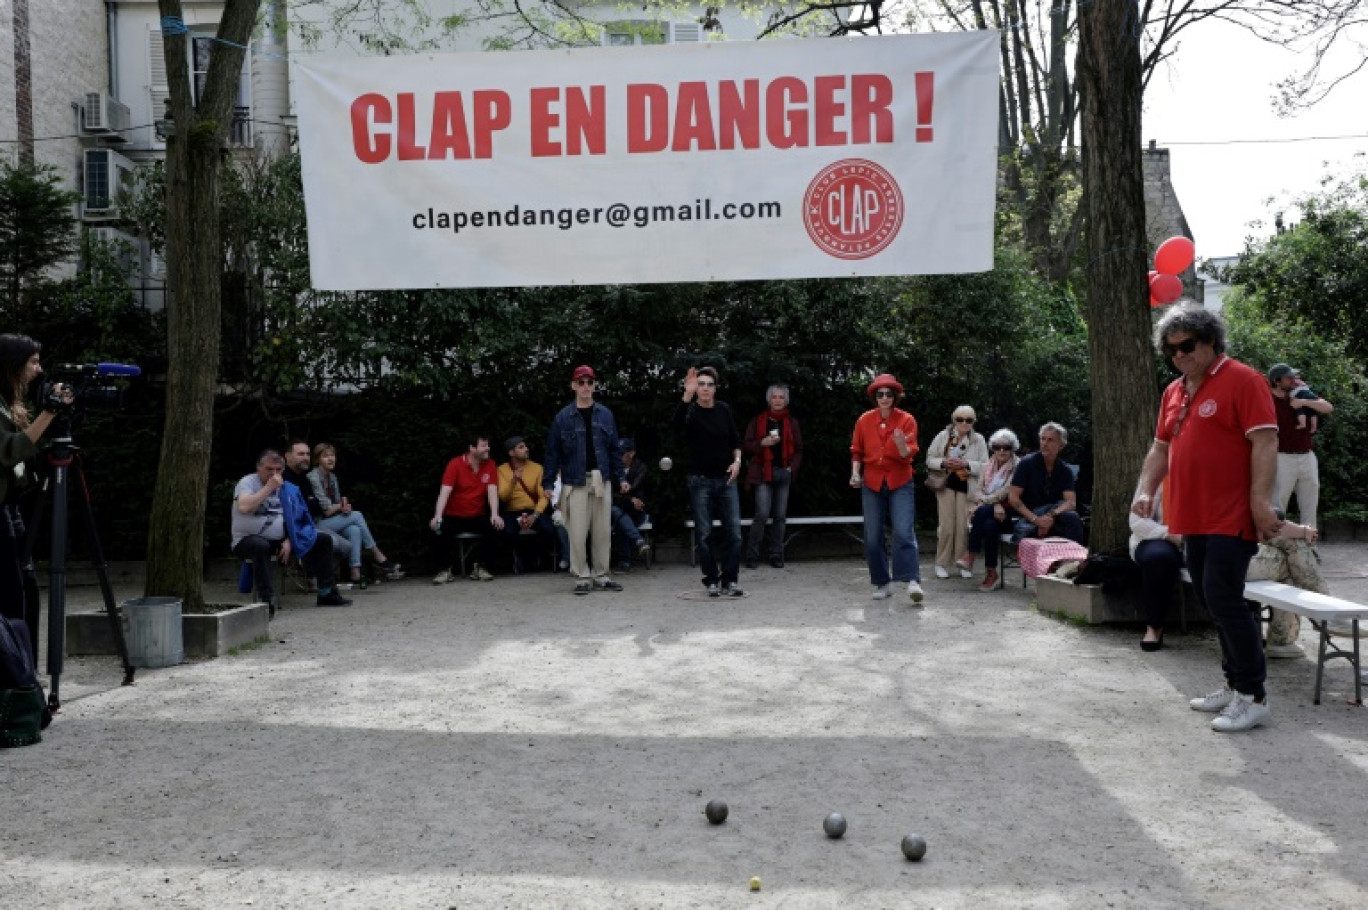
[
  {"x": 1217, "y": 445},
  {"x": 468, "y": 504}
]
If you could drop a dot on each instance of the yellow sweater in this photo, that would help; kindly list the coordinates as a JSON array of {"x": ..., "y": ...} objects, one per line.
[{"x": 512, "y": 494}]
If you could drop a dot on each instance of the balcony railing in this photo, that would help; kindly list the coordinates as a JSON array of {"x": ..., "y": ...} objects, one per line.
[{"x": 240, "y": 134}]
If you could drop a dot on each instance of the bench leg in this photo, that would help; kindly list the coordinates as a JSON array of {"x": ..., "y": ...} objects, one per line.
[{"x": 1320, "y": 657}]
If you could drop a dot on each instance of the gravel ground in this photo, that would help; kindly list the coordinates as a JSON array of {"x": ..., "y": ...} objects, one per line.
[{"x": 510, "y": 745}]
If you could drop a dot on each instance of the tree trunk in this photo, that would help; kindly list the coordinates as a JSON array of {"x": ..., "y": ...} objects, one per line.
[
  {"x": 1124, "y": 397},
  {"x": 194, "y": 156}
]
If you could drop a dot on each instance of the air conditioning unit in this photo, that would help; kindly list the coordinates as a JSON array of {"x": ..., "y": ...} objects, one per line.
[
  {"x": 107, "y": 175},
  {"x": 681, "y": 32},
  {"x": 103, "y": 115}
]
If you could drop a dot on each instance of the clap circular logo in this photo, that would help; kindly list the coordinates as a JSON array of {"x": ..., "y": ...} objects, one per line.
[{"x": 853, "y": 209}]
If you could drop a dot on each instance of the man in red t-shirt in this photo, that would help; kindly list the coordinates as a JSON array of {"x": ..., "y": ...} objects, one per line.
[
  {"x": 1215, "y": 451},
  {"x": 468, "y": 504},
  {"x": 1298, "y": 471}
]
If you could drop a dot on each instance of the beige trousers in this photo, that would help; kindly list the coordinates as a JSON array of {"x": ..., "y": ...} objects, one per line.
[
  {"x": 952, "y": 536},
  {"x": 588, "y": 514}
]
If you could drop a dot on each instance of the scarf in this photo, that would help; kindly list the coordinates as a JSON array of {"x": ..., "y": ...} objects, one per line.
[
  {"x": 785, "y": 441},
  {"x": 995, "y": 475}
]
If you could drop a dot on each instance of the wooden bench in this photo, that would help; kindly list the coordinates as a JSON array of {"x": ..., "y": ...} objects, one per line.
[
  {"x": 1320, "y": 610},
  {"x": 795, "y": 527}
]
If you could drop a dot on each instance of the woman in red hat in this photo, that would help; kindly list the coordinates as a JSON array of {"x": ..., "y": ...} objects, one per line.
[{"x": 881, "y": 452}]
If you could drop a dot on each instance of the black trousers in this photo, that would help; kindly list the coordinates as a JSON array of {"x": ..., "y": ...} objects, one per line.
[{"x": 259, "y": 550}]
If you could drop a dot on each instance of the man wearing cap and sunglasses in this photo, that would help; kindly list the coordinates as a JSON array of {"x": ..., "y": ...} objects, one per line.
[
  {"x": 1298, "y": 471},
  {"x": 582, "y": 448},
  {"x": 1215, "y": 451}
]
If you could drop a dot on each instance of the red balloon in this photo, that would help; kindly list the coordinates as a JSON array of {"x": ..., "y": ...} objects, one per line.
[
  {"x": 1174, "y": 255},
  {"x": 1165, "y": 289}
]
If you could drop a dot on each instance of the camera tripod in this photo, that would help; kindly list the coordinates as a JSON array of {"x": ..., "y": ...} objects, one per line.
[{"x": 66, "y": 469}]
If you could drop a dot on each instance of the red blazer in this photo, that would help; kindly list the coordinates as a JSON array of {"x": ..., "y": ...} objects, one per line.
[{"x": 872, "y": 445}]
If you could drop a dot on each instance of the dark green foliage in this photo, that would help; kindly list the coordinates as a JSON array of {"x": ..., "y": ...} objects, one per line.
[
  {"x": 1299, "y": 298},
  {"x": 37, "y": 232}
]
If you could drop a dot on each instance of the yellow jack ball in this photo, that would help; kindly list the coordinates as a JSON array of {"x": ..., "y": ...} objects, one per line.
[{"x": 755, "y": 884}]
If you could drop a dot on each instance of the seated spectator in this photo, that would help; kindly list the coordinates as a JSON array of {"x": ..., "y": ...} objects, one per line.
[
  {"x": 1159, "y": 557},
  {"x": 297, "y": 474},
  {"x": 339, "y": 516},
  {"x": 1042, "y": 492},
  {"x": 524, "y": 504},
  {"x": 468, "y": 503},
  {"x": 1287, "y": 558},
  {"x": 629, "y": 512},
  {"x": 988, "y": 518},
  {"x": 261, "y": 531}
]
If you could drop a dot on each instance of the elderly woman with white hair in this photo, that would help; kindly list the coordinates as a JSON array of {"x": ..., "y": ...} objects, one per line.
[
  {"x": 990, "y": 518},
  {"x": 954, "y": 464}
]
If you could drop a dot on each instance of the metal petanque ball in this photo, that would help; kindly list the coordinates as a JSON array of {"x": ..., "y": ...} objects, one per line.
[
  {"x": 914, "y": 847},
  {"x": 716, "y": 812},
  {"x": 834, "y": 825},
  {"x": 666, "y": 463}
]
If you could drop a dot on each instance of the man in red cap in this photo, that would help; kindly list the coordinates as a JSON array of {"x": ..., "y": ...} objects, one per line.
[{"x": 582, "y": 448}]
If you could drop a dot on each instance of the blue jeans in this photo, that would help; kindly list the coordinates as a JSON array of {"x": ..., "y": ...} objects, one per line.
[
  {"x": 709, "y": 498},
  {"x": 1218, "y": 564},
  {"x": 900, "y": 506},
  {"x": 771, "y": 504},
  {"x": 626, "y": 536},
  {"x": 984, "y": 531},
  {"x": 353, "y": 527}
]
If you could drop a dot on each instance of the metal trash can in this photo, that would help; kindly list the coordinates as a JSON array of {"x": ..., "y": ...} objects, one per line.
[{"x": 152, "y": 626}]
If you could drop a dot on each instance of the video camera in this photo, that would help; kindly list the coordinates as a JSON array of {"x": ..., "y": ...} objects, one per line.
[{"x": 95, "y": 386}]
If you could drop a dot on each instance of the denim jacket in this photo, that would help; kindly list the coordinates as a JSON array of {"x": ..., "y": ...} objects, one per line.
[{"x": 565, "y": 452}]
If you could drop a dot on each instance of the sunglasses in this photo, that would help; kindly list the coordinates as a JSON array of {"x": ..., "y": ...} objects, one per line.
[
  {"x": 885, "y": 393},
  {"x": 964, "y": 420},
  {"x": 1183, "y": 347},
  {"x": 706, "y": 384},
  {"x": 584, "y": 380},
  {"x": 1002, "y": 448}
]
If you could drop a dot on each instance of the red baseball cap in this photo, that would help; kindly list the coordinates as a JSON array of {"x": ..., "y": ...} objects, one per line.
[{"x": 581, "y": 372}]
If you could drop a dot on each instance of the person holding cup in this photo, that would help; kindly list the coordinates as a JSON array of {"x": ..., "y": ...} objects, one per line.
[
  {"x": 881, "y": 452},
  {"x": 774, "y": 443}
]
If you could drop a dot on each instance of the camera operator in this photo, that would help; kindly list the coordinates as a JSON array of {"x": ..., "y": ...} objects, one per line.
[{"x": 19, "y": 435}]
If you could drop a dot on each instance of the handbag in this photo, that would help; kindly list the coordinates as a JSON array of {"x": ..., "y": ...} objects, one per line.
[{"x": 936, "y": 480}]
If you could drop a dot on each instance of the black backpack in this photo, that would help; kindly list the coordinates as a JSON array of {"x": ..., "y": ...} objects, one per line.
[{"x": 23, "y": 709}]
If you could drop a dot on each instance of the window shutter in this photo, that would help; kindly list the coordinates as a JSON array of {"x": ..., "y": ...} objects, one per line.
[
  {"x": 685, "y": 31},
  {"x": 157, "y": 83}
]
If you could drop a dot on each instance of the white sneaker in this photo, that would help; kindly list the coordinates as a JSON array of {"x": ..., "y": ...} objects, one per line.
[
  {"x": 881, "y": 592},
  {"x": 443, "y": 577},
  {"x": 480, "y": 574},
  {"x": 942, "y": 572},
  {"x": 1243, "y": 713},
  {"x": 1214, "y": 702},
  {"x": 915, "y": 592},
  {"x": 966, "y": 573}
]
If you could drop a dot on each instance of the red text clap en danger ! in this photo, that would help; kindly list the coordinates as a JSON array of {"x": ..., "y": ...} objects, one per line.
[{"x": 787, "y": 112}]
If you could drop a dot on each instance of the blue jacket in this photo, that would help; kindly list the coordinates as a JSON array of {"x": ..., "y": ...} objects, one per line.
[
  {"x": 565, "y": 451},
  {"x": 298, "y": 522}
]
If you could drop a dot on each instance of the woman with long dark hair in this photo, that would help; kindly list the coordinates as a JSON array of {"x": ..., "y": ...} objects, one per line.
[{"x": 19, "y": 435}]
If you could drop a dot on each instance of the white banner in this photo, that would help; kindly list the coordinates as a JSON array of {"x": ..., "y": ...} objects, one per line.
[{"x": 689, "y": 162}]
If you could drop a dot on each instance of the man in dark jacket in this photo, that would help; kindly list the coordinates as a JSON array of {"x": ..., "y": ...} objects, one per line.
[
  {"x": 714, "y": 448},
  {"x": 629, "y": 511},
  {"x": 582, "y": 448}
]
